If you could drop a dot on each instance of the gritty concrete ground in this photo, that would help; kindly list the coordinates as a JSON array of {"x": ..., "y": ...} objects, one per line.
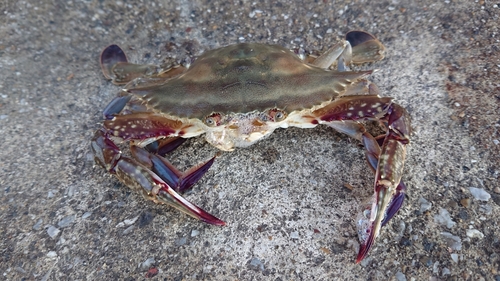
[{"x": 289, "y": 214}]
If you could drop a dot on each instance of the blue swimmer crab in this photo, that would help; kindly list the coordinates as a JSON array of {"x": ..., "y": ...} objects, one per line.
[{"x": 239, "y": 94}]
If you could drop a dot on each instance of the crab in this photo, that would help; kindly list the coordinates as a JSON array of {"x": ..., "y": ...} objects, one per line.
[{"x": 238, "y": 95}]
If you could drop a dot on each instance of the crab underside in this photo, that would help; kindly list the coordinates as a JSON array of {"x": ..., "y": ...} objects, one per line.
[{"x": 239, "y": 94}]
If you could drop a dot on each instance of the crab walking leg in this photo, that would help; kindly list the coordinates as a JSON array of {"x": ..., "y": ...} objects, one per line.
[
  {"x": 139, "y": 177},
  {"x": 389, "y": 193},
  {"x": 372, "y": 152}
]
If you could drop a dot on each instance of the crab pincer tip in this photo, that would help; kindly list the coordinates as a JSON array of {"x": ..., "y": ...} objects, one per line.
[
  {"x": 210, "y": 219},
  {"x": 365, "y": 247}
]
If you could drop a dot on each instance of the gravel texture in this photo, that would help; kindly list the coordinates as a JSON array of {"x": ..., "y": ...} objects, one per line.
[{"x": 289, "y": 214}]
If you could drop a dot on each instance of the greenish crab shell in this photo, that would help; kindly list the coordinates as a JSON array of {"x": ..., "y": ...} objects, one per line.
[{"x": 241, "y": 93}]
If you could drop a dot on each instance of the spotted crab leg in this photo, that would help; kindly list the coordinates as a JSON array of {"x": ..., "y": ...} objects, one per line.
[{"x": 387, "y": 160}]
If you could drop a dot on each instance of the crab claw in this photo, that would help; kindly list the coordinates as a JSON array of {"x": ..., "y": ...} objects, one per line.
[
  {"x": 384, "y": 207},
  {"x": 167, "y": 195},
  {"x": 137, "y": 174},
  {"x": 157, "y": 190}
]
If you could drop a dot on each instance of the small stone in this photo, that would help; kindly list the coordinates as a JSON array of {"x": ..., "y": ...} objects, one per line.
[
  {"x": 52, "y": 254},
  {"x": 454, "y": 242},
  {"x": 67, "y": 221},
  {"x": 207, "y": 268},
  {"x": 181, "y": 241},
  {"x": 400, "y": 276},
  {"x": 130, "y": 221},
  {"x": 435, "y": 268},
  {"x": 53, "y": 231},
  {"x": 38, "y": 225},
  {"x": 424, "y": 205},
  {"x": 147, "y": 264},
  {"x": 445, "y": 271},
  {"x": 294, "y": 235},
  {"x": 465, "y": 202},
  {"x": 71, "y": 191},
  {"x": 454, "y": 257},
  {"x": 86, "y": 215},
  {"x": 486, "y": 209},
  {"x": 128, "y": 230},
  {"x": 194, "y": 233},
  {"x": 444, "y": 218},
  {"x": 474, "y": 233},
  {"x": 479, "y": 194},
  {"x": 255, "y": 263}
]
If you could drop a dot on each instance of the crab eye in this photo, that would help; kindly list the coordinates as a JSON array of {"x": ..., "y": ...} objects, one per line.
[
  {"x": 213, "y": 120},
  {"x": 277, "y": 115}
]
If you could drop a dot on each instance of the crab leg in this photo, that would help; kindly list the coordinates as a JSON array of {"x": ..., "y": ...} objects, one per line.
[
  {"x": 388, "y": 159},
  {"x": 115, "y": 67},
  {"x": 357, "y": 47},
  {"x": 138, "y": 176}
]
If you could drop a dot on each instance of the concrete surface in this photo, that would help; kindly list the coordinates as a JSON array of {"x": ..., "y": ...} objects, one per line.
[{"x": 289, "y": 215}]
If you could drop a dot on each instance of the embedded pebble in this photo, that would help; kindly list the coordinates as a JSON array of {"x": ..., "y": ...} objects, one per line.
[
  {"x": 67, "y": 221},
  {"x": 465, "y": 202},
  {"x": 444, "y": 218},
  {"x": 207, "y": 268},
  {"x": 445, "y": 271},
  {"x": 479, "y": 194},
  {"x": 181, "y": 241},
  {"x": 71, "y": 191},
  {"x": 52, "y": 254},
  {"x": 294, "y": 235},
  {"x": 53, "y": 231},
  {"x": 400, "y": 276},
  {"x": 257, "y": 264},
  {"x": 130, "y": 221},
  {"x": 486, "y": 209},
  {"x": 127, "y": 222},
  {"x": 194, "y": 233},
  {"x": 454, "y": 242},
  {"x": 424, "y": 205},
  {"x": 454, "y": 257},
  {"x": 147, "y": 263},
  {"x": 474, "y": 233},
  {"x": 86, "y": 215},
  {"x": 128, "y": 230},
  {"x": 38, "y": 225},
  {"x": 435, "y": 268}
]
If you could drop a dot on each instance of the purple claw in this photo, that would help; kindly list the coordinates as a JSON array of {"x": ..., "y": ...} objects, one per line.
[{"x": 396, "y": 203}]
